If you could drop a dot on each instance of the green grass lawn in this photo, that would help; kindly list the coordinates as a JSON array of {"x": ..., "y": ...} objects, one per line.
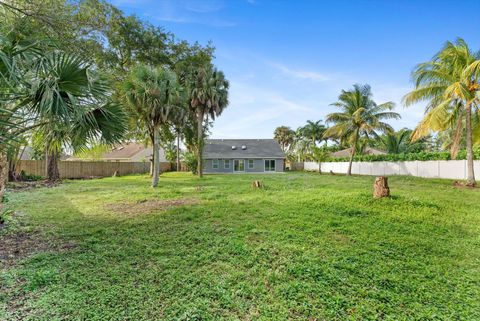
[{"x": 306, "y": 247}]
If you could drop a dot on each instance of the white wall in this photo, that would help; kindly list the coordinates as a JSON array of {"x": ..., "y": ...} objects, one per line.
[{"x": 452, "y": 169}]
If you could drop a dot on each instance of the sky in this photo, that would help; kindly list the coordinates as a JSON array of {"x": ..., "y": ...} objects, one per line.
[{"x": 287, "y": 61}]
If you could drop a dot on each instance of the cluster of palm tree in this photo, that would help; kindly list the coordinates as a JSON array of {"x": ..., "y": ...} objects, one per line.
[
  {"x": 449, "y": 84},
  {"x": 300, "y": 144},
  {"x": 160, "y": 99},
  {"x": 359, "y": 120}
]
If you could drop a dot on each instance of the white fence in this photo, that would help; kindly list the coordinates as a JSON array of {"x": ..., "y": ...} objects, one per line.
[{"x": 452, "y": 169}]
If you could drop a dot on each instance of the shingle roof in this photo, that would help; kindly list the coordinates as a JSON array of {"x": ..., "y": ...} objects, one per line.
[{"x": 256, "y": 148}]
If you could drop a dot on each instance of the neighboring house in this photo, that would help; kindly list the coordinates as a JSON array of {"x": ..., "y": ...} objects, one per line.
[
  {"x": 347, "y": 152},
  {"x": 128, "y": 152},
  {"x": 243, "y": 156},
  {"x": 27, "y": 153}
]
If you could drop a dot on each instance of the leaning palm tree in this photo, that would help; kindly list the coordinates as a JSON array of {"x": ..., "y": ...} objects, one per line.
[
  {"x": 208, "y": 95},
  {"x": 450, "y": 84},
  {"x": 151, "y": 94},
  {"x": 360, "y": 118}
]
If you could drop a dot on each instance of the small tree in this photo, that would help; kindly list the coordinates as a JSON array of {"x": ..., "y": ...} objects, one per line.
[{"x": 320, "y": 155}]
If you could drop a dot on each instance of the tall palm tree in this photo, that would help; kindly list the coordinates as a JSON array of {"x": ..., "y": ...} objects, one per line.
[
  {"x": 151, "y": 94},
  {"x": 208, "y": 95},
  {"x": 360, "y": 117},
  {"x": 284, "y": 136},
  {"x": 74, "y": 108},
  {"x": 314, "y": 130},
  {"x": 450, "y": 85}
]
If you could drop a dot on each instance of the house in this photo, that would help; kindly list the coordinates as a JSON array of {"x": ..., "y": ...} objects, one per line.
[
  {"x": 128, "y": 152},
  {"x": 242, "y": 156},
  {"x": 348, "y": 151},
  {"x": 28, "y": 153}
]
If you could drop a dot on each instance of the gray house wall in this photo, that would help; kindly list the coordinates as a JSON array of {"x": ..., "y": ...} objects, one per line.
[{"x": 259, "y": 166}]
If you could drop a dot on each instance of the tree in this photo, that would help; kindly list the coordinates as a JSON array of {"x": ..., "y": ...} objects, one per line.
[
  {"x": 450, "y": 85},
  {"x": 151, "y": 93},
  {"x": 208, "y": 95},
  {"x": 360, "y": 117},
  {"x": 73, "y": 107},
  {"x": 396, "y": 142},
  {"x": 284, "y": 136},
  {"x": 320, "y": 155},
  {"x": 314, "y": 130}
]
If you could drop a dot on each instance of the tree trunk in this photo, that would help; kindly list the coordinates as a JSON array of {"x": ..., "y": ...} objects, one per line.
[
  {"x": 53, "y": 174},
  {"x": 380, "y": 187},
  {"x": 457, "y": 138},
  {"x": 468, "y": 124},
  {"x": 3, "y": 176},
  {"x": 200, "y": 143},
  {"x": 178, "y": 152},
  {"x": 354, "y": 149},
  {"x": 320, "y": 167},
  {"x": 156, "y": 158}
]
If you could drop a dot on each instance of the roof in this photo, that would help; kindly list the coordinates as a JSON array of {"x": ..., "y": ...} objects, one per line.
[
  {"x": 133, "y": 152},
  {"x": 255, "y": 148},
  {"x": 347, "y": 152},
  {"x": 127, "y": 150}
]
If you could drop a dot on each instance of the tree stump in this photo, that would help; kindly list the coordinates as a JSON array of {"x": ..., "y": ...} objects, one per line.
[
  {"x": 256, "y": 184},
  {"x": 380, "y": 187}
]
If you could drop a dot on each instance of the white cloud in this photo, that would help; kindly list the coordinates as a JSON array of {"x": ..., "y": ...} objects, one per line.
[{"x": 299, "y": 73}]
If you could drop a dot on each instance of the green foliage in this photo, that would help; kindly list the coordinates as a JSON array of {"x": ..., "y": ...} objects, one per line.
[
  {"x": 190, "y": 160},
  {"x": 420, "y": 156},
  {"x": 307, "y": 246}
]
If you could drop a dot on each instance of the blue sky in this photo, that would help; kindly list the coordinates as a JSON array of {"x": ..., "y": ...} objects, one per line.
[{"x": 287, "y": 61}]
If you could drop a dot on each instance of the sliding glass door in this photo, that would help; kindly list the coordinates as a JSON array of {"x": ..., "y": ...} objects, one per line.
[{"x": 269, "y": 165}]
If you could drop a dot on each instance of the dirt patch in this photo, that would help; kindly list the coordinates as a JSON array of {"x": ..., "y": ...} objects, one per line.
[
  {"x": 339, "y": 237},
  {"x": 18, "y": 245},
  {"x": 148, "y": 206},
  {"x": 29, "y": 185},
  {"x": 461, "y": 185}
]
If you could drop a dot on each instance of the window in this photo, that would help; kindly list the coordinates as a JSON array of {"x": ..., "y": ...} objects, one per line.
[
  {"x": 226, "y": 164},
  {"x": 250, "y": 164},
  {"x": 215, "y": 163},
  {"x": 238, "y": 165},
  {"x": 269, "y": 165}
]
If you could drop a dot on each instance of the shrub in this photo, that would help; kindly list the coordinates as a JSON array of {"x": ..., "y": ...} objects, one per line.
[
  {"x": 421, "y": 156},
  {"x": 190, "y": 161}
]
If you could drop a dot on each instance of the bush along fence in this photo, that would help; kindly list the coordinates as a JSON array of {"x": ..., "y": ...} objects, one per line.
[
  {"x": 81, "y": 169},
  {"x": 450, "y": 169},
  {"x": 421, "y": 156}
]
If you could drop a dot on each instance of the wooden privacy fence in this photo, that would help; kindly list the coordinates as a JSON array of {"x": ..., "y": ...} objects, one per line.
[{"x": 79, "y": 169}]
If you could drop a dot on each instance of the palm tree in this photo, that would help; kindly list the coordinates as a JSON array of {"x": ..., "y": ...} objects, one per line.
[
  {"x": 73, "y": 105},
  {"x": 396, "y": 142},
  {"x": 314, "y": 130},
  {"x": 208, "y": 95},
  {"x": 151, "y": 94},
  {"x": 450, "y": 84},
  {"x": 284, "y": 136},
  {"x": 360, "y": 117}
]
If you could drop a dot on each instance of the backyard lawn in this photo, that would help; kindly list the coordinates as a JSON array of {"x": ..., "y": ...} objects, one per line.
[{"x": 305, "y": 247}]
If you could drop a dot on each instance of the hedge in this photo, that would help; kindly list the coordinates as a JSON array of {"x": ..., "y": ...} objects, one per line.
[{"x": 421, "y": 156}]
